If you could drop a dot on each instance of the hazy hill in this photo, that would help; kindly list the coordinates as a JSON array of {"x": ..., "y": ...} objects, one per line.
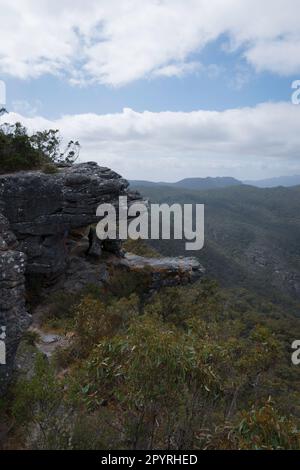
[
  {"x": 193, "y": 183},
  {"x": 252, "y": 236},
  {"x": 200, "y": 184},
  {"x": 286, "y": 181}
]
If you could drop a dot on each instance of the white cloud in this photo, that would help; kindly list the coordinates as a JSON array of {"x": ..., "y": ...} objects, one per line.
[
  {"x": 278, "y": 56},
  {"x": 117, "y": 41},
  {"x": 178, "y": 70},
  {"x": 246, "y": 143}
]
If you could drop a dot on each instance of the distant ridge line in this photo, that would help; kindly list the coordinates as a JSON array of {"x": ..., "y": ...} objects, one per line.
[
  {"x": 222, "y": 182},
  {"x": 193, "y": 183}
]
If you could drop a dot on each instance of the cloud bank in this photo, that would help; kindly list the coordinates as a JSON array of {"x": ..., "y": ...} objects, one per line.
[{"x": 246, "y": 143}]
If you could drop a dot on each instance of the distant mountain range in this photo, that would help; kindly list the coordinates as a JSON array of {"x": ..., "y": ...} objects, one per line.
[
  {"x": 286, "y": 181},
  {"x": 197, "y": 184},
  {"x": 202, "y": 184}
]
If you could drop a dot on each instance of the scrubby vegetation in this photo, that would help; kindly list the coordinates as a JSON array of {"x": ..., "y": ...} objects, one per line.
[
  {"x": 194, "y": 367},
  {"x": 41, "y": 150},
  {"x": 140, "y": 248}
]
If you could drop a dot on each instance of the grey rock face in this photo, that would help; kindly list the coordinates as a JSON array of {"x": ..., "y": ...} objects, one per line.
[
  {"x": 43, "y": 209},
  {"x": 95, "y": 246},
  {"x": 13, "y": 315}
]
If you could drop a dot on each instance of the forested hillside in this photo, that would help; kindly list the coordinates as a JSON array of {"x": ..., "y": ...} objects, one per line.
[{"x": 252, "y": 237}]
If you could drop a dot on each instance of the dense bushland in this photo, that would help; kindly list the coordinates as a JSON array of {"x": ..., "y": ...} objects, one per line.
[{"x": 195, "y": 367}]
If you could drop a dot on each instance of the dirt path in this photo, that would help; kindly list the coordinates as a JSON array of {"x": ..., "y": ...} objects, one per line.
[{"x": 49, "y": 342}]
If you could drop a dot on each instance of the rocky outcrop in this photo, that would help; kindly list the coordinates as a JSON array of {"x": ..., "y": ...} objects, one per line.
[
  {"x": 43, "y": 210},
  {"x": 45, "y": 232},
  {"x": 164, "y": 272}
]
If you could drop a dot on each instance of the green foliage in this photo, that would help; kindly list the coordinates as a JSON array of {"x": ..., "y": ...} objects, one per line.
[
  {"x": 60, "y": 307},
  {"x": 38, "y": 396},
  {"x": 42, "y": 150},
  {"x": 49, "y": 169},
  {"x": 16, "y": 150},
  {"x": 265, "y": 428},
  {"x": 260, "y": 428},
  {"x": 38, "y": 406},
  {"x": 95, "y": 320},
  {"x": 183, "y": 373},
  {"x": 48, "y": 143},
  {"x": 124, "y": 283},
  {"x": 31, "y": 337},
  {"x": 140, "y": 248},
  {"x": 159, "y": 376},
  {"x": 93, "y": 432},
  {"x": 60, "y": 310},
  {"x": 194, "y": 368}
]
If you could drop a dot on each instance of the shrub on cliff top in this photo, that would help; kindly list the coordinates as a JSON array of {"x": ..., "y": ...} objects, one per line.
[
  {"x": 16, "y": 150},
  {"x": 20, "y": 151}
]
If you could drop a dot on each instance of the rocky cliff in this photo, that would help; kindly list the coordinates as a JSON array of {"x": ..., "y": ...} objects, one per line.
[
  {"x": 43, "y": 210},
  {"x": 42, "y": 220},
  {"x": 13, "y": 315}
]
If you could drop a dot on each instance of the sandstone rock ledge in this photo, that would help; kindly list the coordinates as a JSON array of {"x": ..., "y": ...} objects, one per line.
[{"x": 165, "y": 272}]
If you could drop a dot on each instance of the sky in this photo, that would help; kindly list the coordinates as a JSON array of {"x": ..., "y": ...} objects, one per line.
[{"x": 159, "y": 89}]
